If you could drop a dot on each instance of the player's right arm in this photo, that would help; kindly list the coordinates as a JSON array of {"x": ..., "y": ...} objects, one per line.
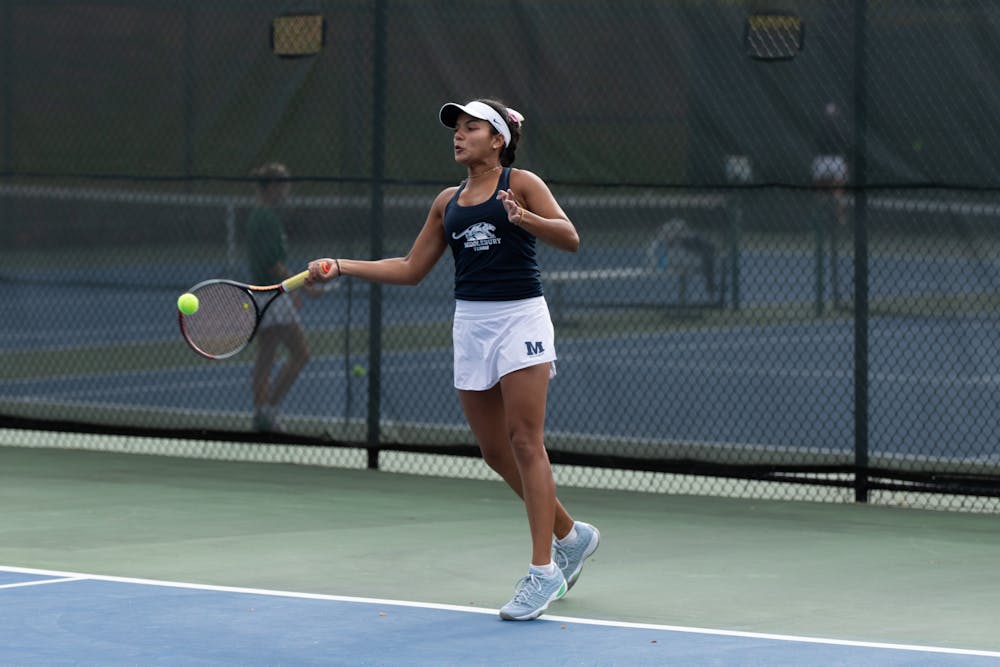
[{"x": 427, "y": 249}]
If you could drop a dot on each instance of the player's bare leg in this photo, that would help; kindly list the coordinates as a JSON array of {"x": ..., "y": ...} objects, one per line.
[
  {"x": 485, "y": 412},
  {"x": 524, "y": 396}
]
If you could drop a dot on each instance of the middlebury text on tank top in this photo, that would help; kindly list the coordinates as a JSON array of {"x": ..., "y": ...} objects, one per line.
[{"x": 494, "y": 259}]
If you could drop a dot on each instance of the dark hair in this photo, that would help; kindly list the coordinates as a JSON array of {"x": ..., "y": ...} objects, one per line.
[
  {"x": 507, "y": 155},
  {"x": 270, "y": 174}
]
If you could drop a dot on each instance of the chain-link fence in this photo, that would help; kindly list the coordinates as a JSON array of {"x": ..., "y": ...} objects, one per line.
[{"x": 790, "y": 252}]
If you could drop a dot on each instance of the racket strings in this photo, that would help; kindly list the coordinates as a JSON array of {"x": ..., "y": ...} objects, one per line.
[{"x": 224, "y": 322}]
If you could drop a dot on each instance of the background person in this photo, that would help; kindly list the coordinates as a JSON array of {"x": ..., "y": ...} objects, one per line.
[
  {"x": 267, "y": 253},
  {"x": 829, "y": 167},
  {"x": 676, "y": 234}
]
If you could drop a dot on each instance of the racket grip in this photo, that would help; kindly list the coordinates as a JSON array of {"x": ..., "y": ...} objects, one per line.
[
  {"x": 295, "y": 282},
  {"x": 299, "y": 279}
]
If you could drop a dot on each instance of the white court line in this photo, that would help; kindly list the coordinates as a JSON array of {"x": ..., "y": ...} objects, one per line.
[
  {"x": 75, "y": 576},
  {"x": 40, "y": 582}
]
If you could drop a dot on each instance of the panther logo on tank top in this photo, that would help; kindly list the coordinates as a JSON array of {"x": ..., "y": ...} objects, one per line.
[{"x": 478, "y": 237}]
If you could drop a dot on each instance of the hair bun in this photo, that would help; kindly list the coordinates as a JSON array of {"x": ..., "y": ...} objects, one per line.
[{"x": 515, "y": 116}]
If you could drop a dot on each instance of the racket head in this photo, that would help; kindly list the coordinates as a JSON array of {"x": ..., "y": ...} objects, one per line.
[{"x": 226, "y": 319}]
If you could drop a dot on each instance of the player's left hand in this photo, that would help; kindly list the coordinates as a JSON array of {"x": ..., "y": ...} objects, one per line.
[{"x": 515, "y": 212}]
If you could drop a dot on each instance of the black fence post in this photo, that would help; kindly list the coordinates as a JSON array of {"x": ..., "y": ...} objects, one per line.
[
  {"x": 375, "y": 231},
  {"x": 860, "y": 258}
]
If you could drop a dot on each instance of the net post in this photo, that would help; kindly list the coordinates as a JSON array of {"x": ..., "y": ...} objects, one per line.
[
  {"x": 735, "y": 227},
  {"x": 820, "y": 241},
  {"x": 739, "y": 172}
]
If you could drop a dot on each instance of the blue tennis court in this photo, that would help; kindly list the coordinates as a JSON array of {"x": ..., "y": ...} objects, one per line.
[{"x": 71, "y": 618}]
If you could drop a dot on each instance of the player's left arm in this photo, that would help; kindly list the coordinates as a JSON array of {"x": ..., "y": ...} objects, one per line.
[{"x": 531, "y": 205}]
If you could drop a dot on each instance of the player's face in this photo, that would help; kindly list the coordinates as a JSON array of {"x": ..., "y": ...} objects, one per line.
[{"x": 474, "y": 140}]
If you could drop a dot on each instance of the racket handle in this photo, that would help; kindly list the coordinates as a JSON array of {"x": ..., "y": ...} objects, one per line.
[
  {"x": 295, "y": 282},
  {"x": 299, "y": 279}
]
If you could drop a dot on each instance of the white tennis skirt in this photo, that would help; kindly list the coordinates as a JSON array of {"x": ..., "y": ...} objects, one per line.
[{"x": 493, "y": 338}]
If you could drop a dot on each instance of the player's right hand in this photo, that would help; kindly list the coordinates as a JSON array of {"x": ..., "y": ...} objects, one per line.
[{"x": 322, "y": 270}]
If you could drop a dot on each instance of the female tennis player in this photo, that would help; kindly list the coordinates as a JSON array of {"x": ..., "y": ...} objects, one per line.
[{"x": 503, "y": 336}]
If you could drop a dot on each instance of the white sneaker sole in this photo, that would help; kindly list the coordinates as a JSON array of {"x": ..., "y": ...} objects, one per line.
[{"x": 538, "y": 612}]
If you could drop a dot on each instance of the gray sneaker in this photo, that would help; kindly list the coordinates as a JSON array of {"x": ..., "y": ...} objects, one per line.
[
  {"x": 532, "y": 596},
  {"x": 570, "y": 558}
]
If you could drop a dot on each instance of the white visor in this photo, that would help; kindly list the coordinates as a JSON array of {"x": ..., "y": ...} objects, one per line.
[{"x": 449, "y": 116}]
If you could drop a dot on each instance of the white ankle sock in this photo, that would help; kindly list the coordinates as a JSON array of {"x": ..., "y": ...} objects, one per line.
[
  {"x": 570, "y": 537},
  {"x": 546, "y": 570}
]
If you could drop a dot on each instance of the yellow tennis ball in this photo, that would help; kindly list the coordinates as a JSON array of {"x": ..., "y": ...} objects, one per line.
[{"x": 187, "y": 303}]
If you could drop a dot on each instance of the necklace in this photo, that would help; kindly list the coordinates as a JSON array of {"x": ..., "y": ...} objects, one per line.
[{"x": 485, "y": 173}]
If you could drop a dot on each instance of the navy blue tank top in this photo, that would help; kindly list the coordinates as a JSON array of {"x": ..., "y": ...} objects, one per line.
[{"x": 494, "y": 259}]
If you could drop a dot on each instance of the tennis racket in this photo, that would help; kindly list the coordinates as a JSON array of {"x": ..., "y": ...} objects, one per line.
[{"x": 230, "y": 312}]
